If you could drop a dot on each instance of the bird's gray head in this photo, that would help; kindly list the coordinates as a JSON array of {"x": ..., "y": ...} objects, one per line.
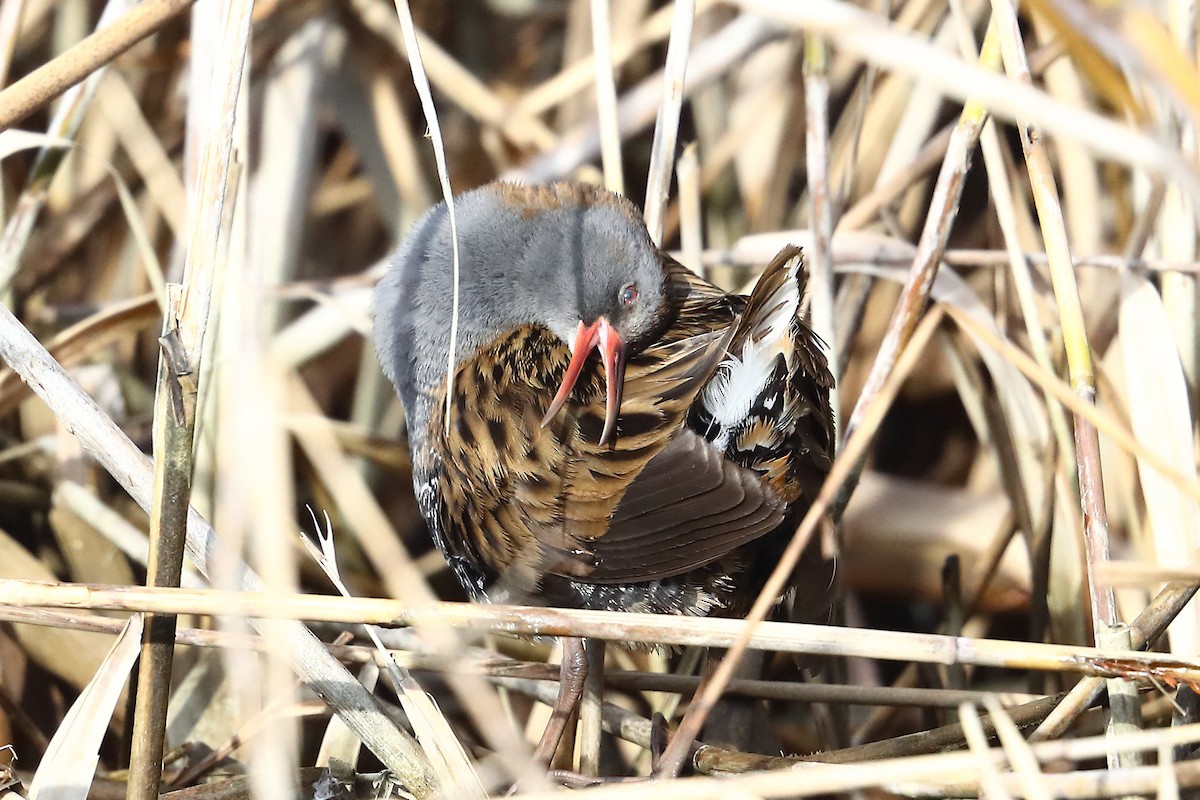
[{"x": 573, "y": 258}]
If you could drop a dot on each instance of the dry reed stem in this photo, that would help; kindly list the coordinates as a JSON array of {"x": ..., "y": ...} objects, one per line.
[
  {"x": 52, "y": 79},
  {"x": 477, "y": 661},
  {"x": 821, "y": 201},
  {"x": 616, "y": 626},
  {"x": 943, "y": 211},
  {"x": 207, "y": 216},
  {"x": 1070, "y": 310},
  {"x": 174, "y": 426},
  {"x": 606, "y": 98},
  {"x": 666, "y": 126},
  {"x": 869, "y": 37},
  {"x": 186, "y": 318},
  {"x": 817, "y": 779}
]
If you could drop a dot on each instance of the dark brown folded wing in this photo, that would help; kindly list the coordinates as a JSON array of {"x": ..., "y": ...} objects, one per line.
[{"x": 687, "y": 508}]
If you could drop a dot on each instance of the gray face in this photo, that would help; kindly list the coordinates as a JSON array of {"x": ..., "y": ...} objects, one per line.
[{"x": 551, "y": 256}]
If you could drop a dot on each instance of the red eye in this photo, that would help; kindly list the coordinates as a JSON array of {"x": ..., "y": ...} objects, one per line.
[{"x": 628, "y": 294}]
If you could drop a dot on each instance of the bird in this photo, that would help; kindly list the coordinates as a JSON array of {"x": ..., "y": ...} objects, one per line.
[{"x": 597, "y": 426}]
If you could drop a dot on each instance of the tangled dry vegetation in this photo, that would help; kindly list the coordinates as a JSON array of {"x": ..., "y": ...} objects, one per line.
[{"x": 998, "y": 206}]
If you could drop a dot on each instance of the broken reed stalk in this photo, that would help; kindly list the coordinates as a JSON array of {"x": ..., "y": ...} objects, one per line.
[
  {"x": 1125, "y": 711},
  {"x": 174, "y": 427},
  {"x": 1145, "y": 630}
]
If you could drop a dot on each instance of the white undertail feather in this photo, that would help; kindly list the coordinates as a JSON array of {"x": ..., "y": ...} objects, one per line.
[{"x": 741, "y": 378}]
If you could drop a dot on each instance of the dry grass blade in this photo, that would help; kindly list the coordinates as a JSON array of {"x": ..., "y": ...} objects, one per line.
[
  {"x": 1158, "y": 405},
  {"x": 13, "y": 141},
  {"x": 455, "y": 773},
  {"x": 70, "y": 762}
]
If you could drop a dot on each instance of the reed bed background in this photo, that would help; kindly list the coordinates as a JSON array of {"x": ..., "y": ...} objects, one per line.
[{"x": 999, "y": 211}]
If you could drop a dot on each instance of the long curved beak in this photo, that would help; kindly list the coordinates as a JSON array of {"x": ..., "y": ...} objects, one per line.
[{"x": 600, "y": 334}]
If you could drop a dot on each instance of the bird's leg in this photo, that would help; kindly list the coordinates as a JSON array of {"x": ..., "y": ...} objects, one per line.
[
  {"x": 570, "y": 688},
  {"x": 740, "y": 723}
]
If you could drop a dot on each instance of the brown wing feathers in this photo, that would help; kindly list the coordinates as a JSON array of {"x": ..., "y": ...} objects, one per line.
[{"x": 688, "y": 507}]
